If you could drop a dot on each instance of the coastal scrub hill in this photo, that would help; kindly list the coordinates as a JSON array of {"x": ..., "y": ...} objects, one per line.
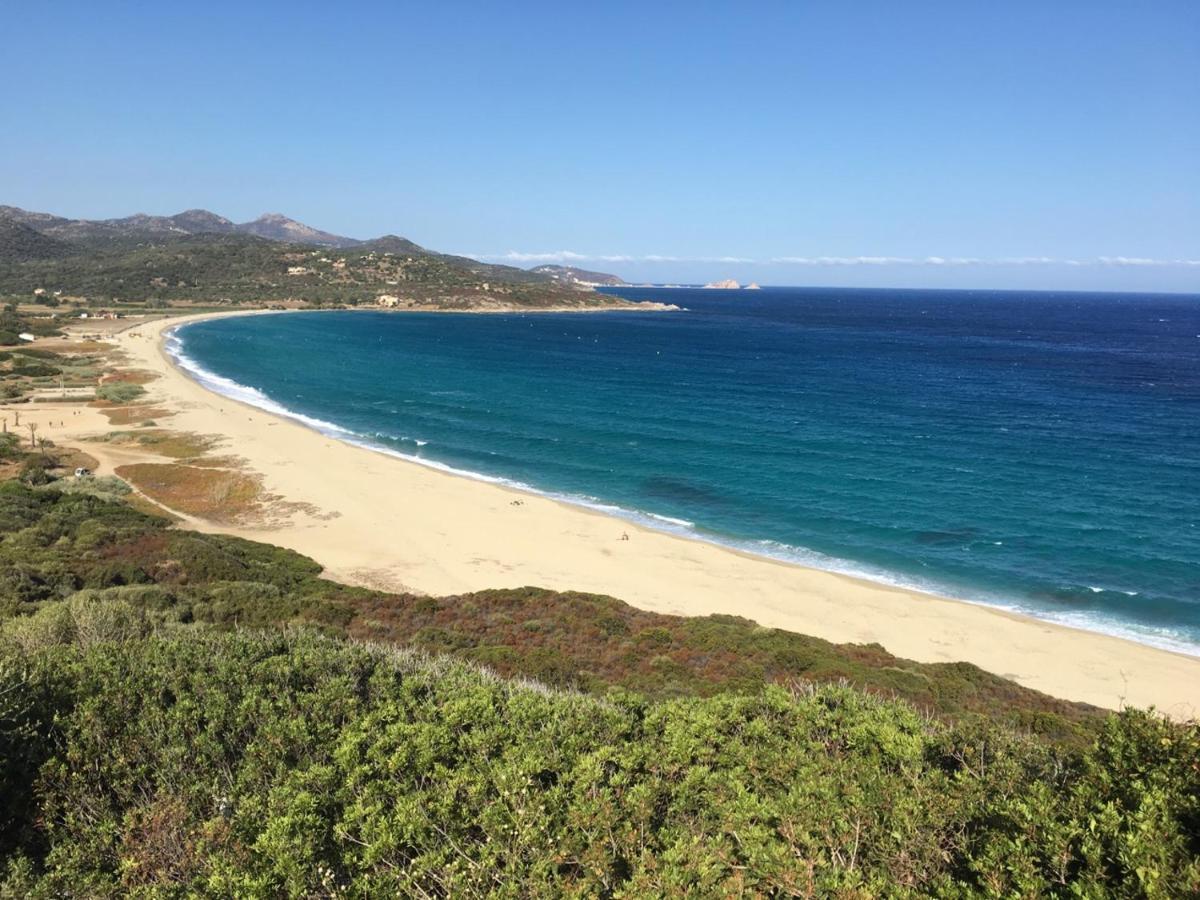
[
  {"x": 188, "y": 714},
  {"x": 198, "y": 257},
  {"x": 19, "y": 242}
]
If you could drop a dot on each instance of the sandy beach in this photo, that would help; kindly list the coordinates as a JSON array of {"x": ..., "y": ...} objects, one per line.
[{"x": 376, "y": 520}]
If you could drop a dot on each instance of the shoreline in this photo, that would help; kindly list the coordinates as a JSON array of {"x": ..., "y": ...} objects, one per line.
[
  {"x": 663, "y": 571},
  {"x": 641, "y": 518}
]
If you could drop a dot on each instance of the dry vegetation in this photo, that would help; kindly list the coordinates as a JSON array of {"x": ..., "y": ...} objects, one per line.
[
  {"x": 129, "y": 376},
  {"x": 135, "y": 415},
  {"x": 219, "y": 495},
  {"x": 180, "y": 445}
]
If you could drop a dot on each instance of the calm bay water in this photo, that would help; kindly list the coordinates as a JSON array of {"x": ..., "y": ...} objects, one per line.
[{"x": 1036, "y": 451}]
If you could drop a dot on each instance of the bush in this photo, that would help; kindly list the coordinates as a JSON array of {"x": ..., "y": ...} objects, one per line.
[
  {"x": 106, "y": 487},
  {"x": 86, "y": 619},
  {"x": 35, "y": 471},
  {"x": 119, "y": 392},
  {"x": 292, "y": 765},
  {"x": 38, "y": 353},
  {"x": 10, "y": 445},
  {"x": 35, "y": 370}
]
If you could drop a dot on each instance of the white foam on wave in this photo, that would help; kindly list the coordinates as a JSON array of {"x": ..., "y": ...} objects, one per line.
[
  {"x": 251, "y": 396},
  {"x": 671, "y": 520},
  {"x": 1162, "y": 638}
]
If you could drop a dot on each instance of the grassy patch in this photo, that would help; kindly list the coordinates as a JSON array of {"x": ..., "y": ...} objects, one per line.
[
  {"x": 119, "y": 392},
  {"x": 173, "y": 444},
  {"x": 216, "y": 494},
  {"x": 130, "y": 376},
  {"x": 135, "y": 415}
]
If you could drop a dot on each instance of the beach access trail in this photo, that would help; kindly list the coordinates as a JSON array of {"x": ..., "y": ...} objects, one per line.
[{"x": 383, "y": 522}]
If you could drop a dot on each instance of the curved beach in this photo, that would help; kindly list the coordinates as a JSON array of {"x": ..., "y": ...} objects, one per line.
[{"x": 374, "y": 519}]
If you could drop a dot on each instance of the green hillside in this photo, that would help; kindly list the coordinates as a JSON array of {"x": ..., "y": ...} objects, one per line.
[
  {"x": 267, "y": 765},
  {"x": 19, "y": 243},
  {"x": 242, "y": 269},
  {"x": 198, "y": 257}
]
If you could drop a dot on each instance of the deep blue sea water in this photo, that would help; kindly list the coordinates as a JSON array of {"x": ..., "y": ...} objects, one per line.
[{"x": 1036, "y": 451}]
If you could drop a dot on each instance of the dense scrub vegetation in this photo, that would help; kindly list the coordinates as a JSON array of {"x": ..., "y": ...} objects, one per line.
[
  {"x": 181, "y": 713},
  {"x": 12, "y": 324},
  {"x": 238, "y": 764}
]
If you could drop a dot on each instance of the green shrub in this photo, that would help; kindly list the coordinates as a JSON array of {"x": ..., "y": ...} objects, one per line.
[
  {"x": 38, "y": 353},
  {"x": 10, "y": 445},
  {"x": 86, "y": 619},
  {"x": 119, "y": 392},
  {"x": 105, "y": 487},
  {"x": 35, "y": 370},
  {"x": 292, "y": 765},
  {"x": 35, "y": 471}
]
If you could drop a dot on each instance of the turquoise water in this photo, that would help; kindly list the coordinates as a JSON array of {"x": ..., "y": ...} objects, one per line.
[{"x": 1036, "y": 451}]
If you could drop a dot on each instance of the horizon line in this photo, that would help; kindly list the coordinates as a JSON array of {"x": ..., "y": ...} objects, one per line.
[{"x": 571, "y": 256}]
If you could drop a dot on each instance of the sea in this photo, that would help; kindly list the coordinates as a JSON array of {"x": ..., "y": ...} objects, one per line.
[{"x": 1034, "y": 451}]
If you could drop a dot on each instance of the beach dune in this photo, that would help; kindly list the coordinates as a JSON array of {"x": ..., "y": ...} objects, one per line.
[{"x": 374, "y": 519}]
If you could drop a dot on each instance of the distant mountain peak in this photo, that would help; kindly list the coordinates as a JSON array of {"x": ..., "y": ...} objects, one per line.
[
  {"x": 202, "y": 220},
  {"x": 391, "y": 243},
  {"x": 278, "y": 227}
]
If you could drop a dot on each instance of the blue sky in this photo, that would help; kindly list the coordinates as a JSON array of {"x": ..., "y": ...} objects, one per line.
[{"x": 965, "y": 143}]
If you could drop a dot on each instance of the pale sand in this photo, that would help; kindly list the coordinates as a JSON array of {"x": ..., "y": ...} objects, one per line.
[{"x": 401, "y": 525}]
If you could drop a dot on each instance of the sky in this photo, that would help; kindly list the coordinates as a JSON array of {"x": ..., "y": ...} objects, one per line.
[{"x": 917, "y": 144}]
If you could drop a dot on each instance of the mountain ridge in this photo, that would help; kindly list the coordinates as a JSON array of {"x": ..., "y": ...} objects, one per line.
[{"x": 273, "y": 226}]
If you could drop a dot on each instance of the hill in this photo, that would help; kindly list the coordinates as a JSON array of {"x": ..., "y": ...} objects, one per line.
[
  {"x": 200, "y": 257},
  {"x": 19, "y": 242},
  {"x": 572, "y": 275},
  {"x": 278, "y": 227}
]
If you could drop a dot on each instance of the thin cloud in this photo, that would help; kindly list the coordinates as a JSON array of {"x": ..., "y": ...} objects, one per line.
[
  {"x": 559, "y": 256},
  {"x": 571, "y": 256},
  {"x": 841, "y": 260},
  {"x": 1143, "y": 261}
]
